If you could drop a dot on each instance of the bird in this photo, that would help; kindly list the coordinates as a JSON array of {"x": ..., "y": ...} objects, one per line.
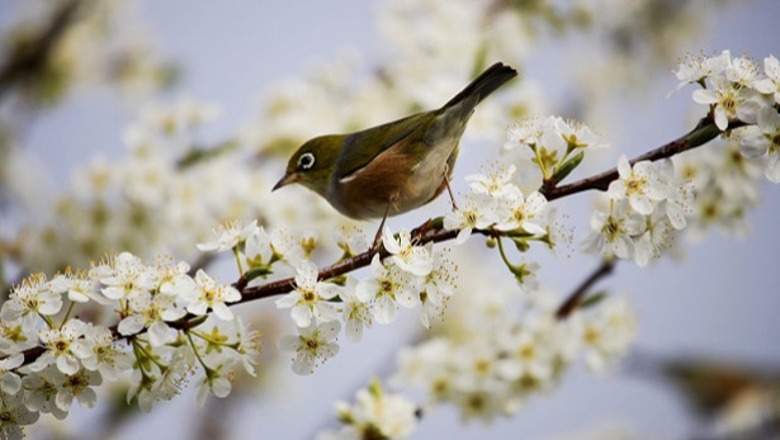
[{"x": 394, "y": 167}]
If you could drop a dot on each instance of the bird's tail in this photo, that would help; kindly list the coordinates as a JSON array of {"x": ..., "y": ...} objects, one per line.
[{"x": 486, "y": 83}]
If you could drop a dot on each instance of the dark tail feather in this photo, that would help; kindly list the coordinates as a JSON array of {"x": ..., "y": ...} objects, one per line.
[{"x": 486, "y": 83}]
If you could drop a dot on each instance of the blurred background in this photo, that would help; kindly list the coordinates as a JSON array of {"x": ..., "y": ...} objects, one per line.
[{"x": 251, "y": 80}]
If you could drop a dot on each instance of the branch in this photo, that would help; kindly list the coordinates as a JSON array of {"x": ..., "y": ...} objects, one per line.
[
  {"x": 26, "y": 59},
  {"x": 432, "y": 231},
  {"x": 704, "y": 132},
  {"x": 574, "y": 300}
]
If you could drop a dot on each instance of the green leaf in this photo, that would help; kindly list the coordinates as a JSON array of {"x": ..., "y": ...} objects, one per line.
[
  {"x": 200, "y": 155},
  {"x": 593, "y": 300},
  {"x": 257, "y": 272},
  {"x": 567, "y": 167}
]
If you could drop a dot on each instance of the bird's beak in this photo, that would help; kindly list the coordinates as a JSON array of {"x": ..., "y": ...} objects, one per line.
[{"x": 285, "y": 180}]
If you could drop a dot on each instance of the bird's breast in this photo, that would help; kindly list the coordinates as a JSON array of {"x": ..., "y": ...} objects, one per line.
[{"x": 394, "y": 182}]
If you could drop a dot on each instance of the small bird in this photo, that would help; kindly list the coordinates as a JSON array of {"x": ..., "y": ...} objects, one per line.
[{"x": 394, "y": 167}]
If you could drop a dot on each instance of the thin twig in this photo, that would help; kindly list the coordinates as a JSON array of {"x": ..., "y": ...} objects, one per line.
[{"x": 574, "y": 300}]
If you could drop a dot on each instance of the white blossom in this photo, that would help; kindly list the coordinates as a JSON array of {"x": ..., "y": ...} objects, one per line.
[
  {"x": 350, "y": 240},
  {"x": 741, "y": 71},
  {"x": 79, "y": 385},
  {"x": 10, "y": 382},
  {"x": 229, "y": 235},
  {"x": 41, "y": 390},
  {"x": 612, "y": 232},
  {"x": 375, "y": 411},
  {"x": 129, "y": 277},
  {"x": 152, "y": 312},
  {"x": 59, "y": 347},
  {"x": 206, "y": 294},
  {"x": 216, "y": 380},
  {"x": 263, "y": 249},
  {"x": 770, "y": 85},
  {"x": 578, "y": 135},
  {"x": 523, "y": 212},
  {"x": 356, "y": 311},
  {"x": 730, "y": 101},
  {"x": 658, "y": 236},
  {"x": 698, "y": 69},
  {"x": 247, "y": 345},
  {"x": 497, "y": 182},
  {"x": 416, "y": 260},
  {"x": 608, "y": 333},
  {"x": 437, "y": 288},
  {"x": 34, "y": 296},
  {"x": 477, "y": 211},
  {"x": 639, "y": 183},
  {"x": 389, "y": 288},
  {"x": 13, "y": 416},
  {"x": 525, "y": 134},
  {"x": 765, "y": 142},
  {"x": 310, "y": 298},
  {"x": 313, "y": 345},
  {"x": 99, "y": 352}
]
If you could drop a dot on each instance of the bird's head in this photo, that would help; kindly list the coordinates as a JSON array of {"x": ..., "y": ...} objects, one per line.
[{"x": 313, "y": 163}]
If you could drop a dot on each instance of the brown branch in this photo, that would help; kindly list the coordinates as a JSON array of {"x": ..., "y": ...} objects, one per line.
[
  {"x": 574, "y": 300},
  {"x": 28, "y": 58},
  {"x": 433, "y": 232},
  {"x": 341, "y": 268},
  {"x": 704, "y": 132}
]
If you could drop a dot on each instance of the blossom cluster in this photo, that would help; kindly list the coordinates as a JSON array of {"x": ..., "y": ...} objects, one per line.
[
  {"x": 147, "y": 202},
  {"x": 492, "y": 366},
  {"x": 163, "y": 318},
  {"x": 410, "y": 277},
  {"x": 552, "y": 144},
  {"x": 647, "y": 204},
  {"x": 735, "y": 88},
  {"x": 91, "y": 50},
  {"x": 726, "y": 184},
  {"x": 495, "y": 202},
  {"x": 375, "y": 414}
]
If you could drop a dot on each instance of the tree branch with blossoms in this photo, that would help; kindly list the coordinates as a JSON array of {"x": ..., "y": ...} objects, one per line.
[
  {"x": 164, "y": 312},
  {"x": 433, "y": 231},
  {"x": 704, "y": 132}
]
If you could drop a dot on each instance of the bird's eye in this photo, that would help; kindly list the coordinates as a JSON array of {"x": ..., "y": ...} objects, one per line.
[{"x": 306, "y": 161}]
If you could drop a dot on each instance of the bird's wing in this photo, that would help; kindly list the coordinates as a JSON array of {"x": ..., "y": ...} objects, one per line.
[{"x": 361, "y": 147}]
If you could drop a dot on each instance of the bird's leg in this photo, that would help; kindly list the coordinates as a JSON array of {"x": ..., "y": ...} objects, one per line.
[
  {"x": 378, "y": 236},
  {"x": 449, "y": 190}
]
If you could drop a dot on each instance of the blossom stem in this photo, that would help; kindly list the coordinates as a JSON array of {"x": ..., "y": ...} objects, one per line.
[
  {"x": 142, "y": 354},
  {"x": 48, "y": 321},
  {"x": 197, "y": 354},
  {"x": 501, "y": 251},
  {"x": 205, "y": 337},
  {"x": 238, "y": 261},
  {"x": 67, "y": 314},
  {"x": 540, "y": 162}
]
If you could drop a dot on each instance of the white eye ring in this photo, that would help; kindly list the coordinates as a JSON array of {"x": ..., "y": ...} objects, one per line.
[{"x": 306, "y": 161}]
